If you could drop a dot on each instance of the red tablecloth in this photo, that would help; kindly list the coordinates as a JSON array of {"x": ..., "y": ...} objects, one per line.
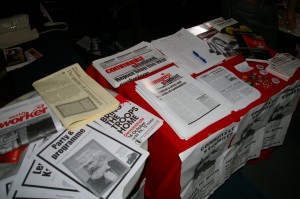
[{"x": 162, "y": 170}]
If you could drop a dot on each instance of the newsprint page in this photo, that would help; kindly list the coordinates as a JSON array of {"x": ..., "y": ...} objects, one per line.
[
  {"x": 185, "y": 104},
  {"x": 130, "y": 64},
  {"x": 25, "y": 122},
  {"x": 94, "y": 161},
  {"x": 74, "y": 97}
]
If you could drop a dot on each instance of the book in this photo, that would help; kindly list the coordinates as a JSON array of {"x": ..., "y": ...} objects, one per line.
[
  {"x": 74, "y": 97},
  {"x": 130, "y": 64},
  {"x": 283, "y": 65},
  {"x": 131, "y": 121},
  {"x": 253, "y": 46},
  {"x": 24, "y": 122},
  {"x": 183, "y": 102}
]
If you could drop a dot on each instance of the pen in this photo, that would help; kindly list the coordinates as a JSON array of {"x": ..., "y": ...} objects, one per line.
[{"x": 201, "y": 58}]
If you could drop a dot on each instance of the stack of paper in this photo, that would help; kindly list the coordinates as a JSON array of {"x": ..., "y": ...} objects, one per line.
[
  {"x": 283, "y": 65},
  {"x": 90, "y": 162},
  {"x": 188, "y": 51},
  {"x": 184, "y": 103}
]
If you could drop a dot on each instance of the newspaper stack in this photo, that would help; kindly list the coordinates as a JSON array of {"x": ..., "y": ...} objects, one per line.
[
  {"x": 26, "y": 121},
  {"x": 283, "y": 65},
  {"x": 130, "y": 64},
  {"x": 90, "y": 162},
  {"x": 185, "y": 104}
]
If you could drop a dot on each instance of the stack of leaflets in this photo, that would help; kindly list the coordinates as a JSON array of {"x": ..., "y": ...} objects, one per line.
[
  {"x": 26, "y": 121},
  {"x": 130, "y": 64},
  {"x": 188, "y": 51},
  {"x": 185, "y": 104},
  {"x": 283, "y": 65},
  {"x": 90, "y": 162},
  {"x": 74, "y": 97},
  {"x": 131, "y": 121}
]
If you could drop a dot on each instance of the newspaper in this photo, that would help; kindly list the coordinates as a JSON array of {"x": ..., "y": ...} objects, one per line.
[
  {"x": 185, "y": 104},
  {"x": 26, "y": 121},
  {"x": 236, "y": 92},
  {"x": 131, "y": 120},
  {"x": 201, "y": 170},
  {"x": 33, "y": 180},
  {"x": 94, "y": 161},
  {"x": 190, "y": 51},
  {"x": 74, "y": 97},
  {"x": 130, "y": 64}
]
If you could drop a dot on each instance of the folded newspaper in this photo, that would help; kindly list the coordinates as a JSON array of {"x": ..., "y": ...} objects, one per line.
[
  {"x": 130, "y": 64},
  {"x": 74, "y": 97},
  {"x": 91, "y": 160},
  {"x": 26, "y": 121}
]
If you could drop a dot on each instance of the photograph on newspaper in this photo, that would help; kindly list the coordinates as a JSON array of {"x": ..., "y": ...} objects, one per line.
[{"x": 96, "y": 167}]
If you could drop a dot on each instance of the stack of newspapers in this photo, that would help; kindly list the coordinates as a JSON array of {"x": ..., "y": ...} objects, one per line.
[
  {"x": 190, "y": 105},
  {"x": 103, "y": 159},
  {"x": 90, "y": 162}
]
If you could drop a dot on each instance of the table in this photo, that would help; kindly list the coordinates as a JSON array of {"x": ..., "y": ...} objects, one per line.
[{"x": 163, "y": 168}]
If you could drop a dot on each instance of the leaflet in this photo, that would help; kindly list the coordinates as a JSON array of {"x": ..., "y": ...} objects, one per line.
[
  {"x": 94, "y": 161},
  {"x": 132, "y": 121},
  {"x": 26, "y": 121},
  {"x": 185, "y": 104},
  {"x": 130, "y": 64},
  {"x": 186, "y": 48},
  {"x": 227, "y": 85}
]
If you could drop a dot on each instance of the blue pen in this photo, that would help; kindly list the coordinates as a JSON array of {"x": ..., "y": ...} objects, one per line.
[{"x": 201, "y": 58}]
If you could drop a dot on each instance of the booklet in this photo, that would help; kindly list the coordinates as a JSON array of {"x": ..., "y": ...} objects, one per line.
[
  {"x": 94, "y": 161},
  {"x": 130, "y": 64},
  {"x": 185, "y": 104},
  {"x": 131, "y": 121},
  {"x": 26, "y": 121},
  {"x": 74, "y": 97},
  {"x": 188, "y": 51},
  {"x": 252, "y": 45},
  {"x": 283, "y": 65}
]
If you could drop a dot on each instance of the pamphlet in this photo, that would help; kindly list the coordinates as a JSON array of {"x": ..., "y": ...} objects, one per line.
[
  {"x": 74, "y": 97},
  {"x": 131, "y": 120}
]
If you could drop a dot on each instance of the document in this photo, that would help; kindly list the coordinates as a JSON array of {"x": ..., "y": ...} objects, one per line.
[
  {"x": 228, "y": 86},
  {"x": 131, "y": 121},
  {"x": 74, "y": 97},
  {"x": 185, "y": 104},
  {"x": 186, "y": 48},
  {"x": 130, "y": 64},
  {"x": 94, "y": 161},
  {"x": 25, "y": 122}
]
